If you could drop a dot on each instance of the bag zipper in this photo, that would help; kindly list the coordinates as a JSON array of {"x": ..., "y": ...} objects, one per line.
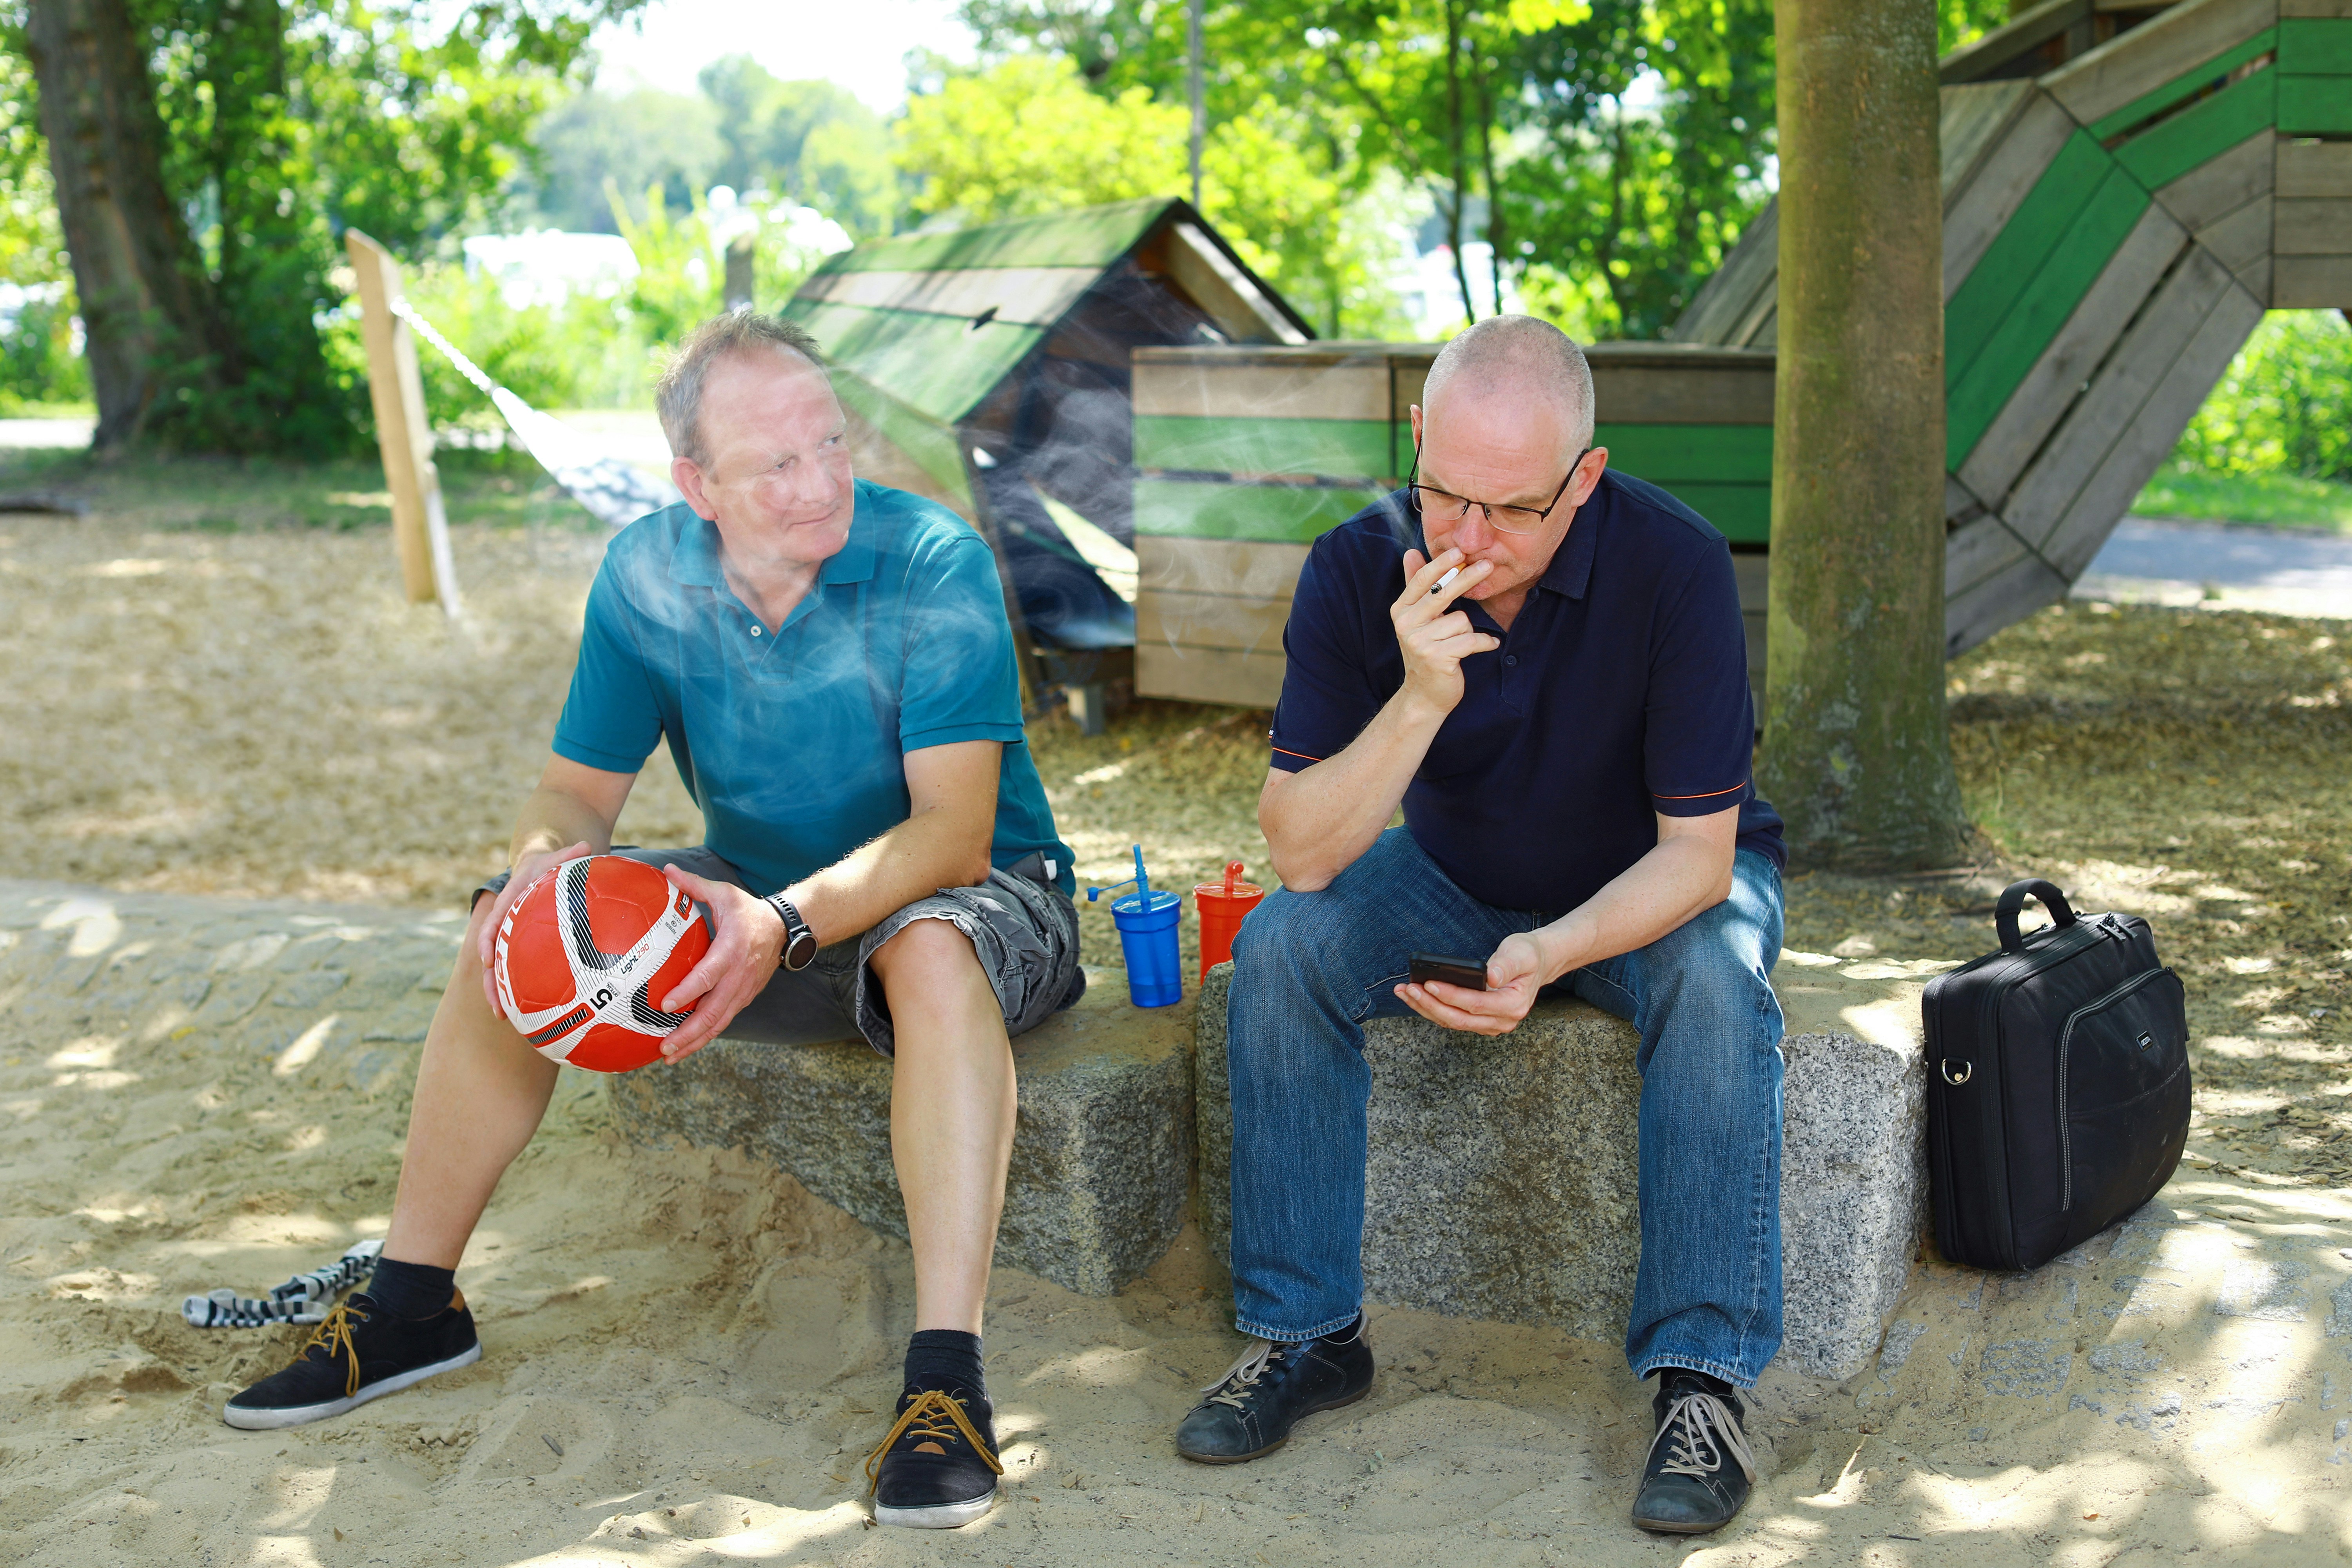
[{"x": 2065, "y": 1042}]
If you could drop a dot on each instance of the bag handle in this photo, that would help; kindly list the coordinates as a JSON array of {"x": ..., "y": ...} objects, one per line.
[{"x": 2012, "y": 903}]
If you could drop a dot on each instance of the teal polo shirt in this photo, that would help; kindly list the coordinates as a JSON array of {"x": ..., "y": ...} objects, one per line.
[{"x": 792, "y": 743}]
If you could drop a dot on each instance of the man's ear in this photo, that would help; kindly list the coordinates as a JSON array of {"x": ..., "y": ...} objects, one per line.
[
  {"x": 1595, "y": 464},
  {"x": 1416, "y": 412},
  {"x": 686, "y": 475}
]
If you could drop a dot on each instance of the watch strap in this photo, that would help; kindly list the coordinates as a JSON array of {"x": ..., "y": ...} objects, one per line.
[{"x": 800, "y": 942}]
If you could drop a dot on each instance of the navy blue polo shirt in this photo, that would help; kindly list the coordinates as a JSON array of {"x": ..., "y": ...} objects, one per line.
[
  {"x": 1620, "y": 692},
  {"x": 794, "y": 742}
]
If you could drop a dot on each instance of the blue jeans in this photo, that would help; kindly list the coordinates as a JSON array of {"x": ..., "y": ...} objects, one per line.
[{"x": 1309, "y": 968}]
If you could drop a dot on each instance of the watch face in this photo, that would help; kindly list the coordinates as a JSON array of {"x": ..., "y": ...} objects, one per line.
[{"x": 800, "y": 949}]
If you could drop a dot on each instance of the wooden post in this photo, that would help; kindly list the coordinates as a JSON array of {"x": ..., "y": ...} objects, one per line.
[
  {"x": 420, "y": 528},
  {"x": 1855, "y": 753},
  {"x": 741, "y": 259}
]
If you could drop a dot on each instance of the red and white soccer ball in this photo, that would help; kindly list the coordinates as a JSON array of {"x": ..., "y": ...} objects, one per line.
[{"x": 585, "y": 956}]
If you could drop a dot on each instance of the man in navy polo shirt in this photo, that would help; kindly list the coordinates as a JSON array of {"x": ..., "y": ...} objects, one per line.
[
  {"x": 1542, "y": 663},
  {"x": 830, "y": 663}
]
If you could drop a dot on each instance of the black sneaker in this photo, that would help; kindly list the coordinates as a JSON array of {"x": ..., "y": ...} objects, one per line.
[
  {"x": 938, "y": 1468},
  {"x": 361, "y": 1352},
  {"x": 1252, "y": 1408},
  {"x": 1686, "y": 1487}
]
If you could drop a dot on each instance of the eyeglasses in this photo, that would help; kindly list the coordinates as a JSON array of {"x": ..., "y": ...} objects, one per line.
[{"x": 1444, "y": 506}]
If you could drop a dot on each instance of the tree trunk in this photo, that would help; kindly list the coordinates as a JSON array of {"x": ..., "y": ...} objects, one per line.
[
  {"x": 143, "y": 305},
  {"x": 1857, "y": 753}
]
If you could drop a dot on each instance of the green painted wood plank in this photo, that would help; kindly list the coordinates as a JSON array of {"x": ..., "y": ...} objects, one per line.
[
  {"x": 2010, "y": 262},
  {"x": 2058, "y": 284},
  {"x": 940, "y": 366},
  {"x": 1089, "y": 236},
  {"x": 1669, "y": 454},
  {"x": 1342, "y": 448},
  {"x": 2315, "y": 106},
  {"x": 2171, "y": 148},
  {"x": 1290, "y": 514},
  {"x": 1741, "y": 512},
  {"x": 931, "y": 446},
  {"x": 2187, "y": 83},
  {"x": 2315, "y": 46},
  {"x": 1179, "y": 509}
]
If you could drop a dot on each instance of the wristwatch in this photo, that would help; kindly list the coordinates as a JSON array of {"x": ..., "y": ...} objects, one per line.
[{"x": 800, "y": 942}]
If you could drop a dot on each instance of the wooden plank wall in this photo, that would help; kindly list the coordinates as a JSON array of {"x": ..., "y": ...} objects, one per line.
[
  {"x": 2310, "y": 242},
  {"x": 1246, "y": 456}
]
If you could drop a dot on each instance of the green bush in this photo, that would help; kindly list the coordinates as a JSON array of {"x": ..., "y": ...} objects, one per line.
[
  {"x": 2284, "y": 407},
  {"x": 39, "y": 364}
]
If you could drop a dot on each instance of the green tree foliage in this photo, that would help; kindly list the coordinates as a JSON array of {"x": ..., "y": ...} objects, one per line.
[
  {"x": 285, "y": 121},
  {"x": 38, "y": 360},
  {"x": 812, "y": 142},
  {"x": 595, "y": 142},
  {"x": 1026, "y": 136},
  {"x": 2282, "y": 406}
]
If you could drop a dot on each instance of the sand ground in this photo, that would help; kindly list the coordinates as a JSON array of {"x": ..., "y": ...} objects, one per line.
[{"x": 687, "y": 1355}]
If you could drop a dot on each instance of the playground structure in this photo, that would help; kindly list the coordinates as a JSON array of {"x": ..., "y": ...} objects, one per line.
[
  {"x": 2125, "y": 190},
  {"x": 988, "y": 368}
]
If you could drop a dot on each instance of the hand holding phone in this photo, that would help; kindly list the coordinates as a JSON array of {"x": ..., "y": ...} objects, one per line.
[{"x": 1470, "y": 973}]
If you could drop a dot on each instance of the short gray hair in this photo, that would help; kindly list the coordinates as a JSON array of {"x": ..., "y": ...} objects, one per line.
[
  {"x": 678, "y": 397},
  {"x": 1506, "y": 347}
]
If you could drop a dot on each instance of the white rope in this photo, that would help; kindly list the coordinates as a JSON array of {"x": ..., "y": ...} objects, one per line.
[
  {"x": 301, "y": 1299},
  {"x": 612, "y": 492}
]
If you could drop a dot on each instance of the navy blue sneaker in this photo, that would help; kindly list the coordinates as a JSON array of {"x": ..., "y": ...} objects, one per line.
[
  {"x": 938, "y": 1467},
  {"x": 1700, "y": 1471},
  {"x": 1251, "y": 1409},
  {"x": 361, "y": 1352}
]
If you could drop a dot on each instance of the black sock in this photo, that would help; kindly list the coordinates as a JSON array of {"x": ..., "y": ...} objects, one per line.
[
  {"x": 1347, "y": 1335},
  {"x": 1712, "y": 1383},
  {"x": 948, "y": 1360},
  {"x": 412, "y": 1289}
]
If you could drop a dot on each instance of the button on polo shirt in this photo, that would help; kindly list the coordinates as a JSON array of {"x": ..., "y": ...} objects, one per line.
[
  {"x": 793, "y": 744},
  {"x": 1620, "y": 691}
]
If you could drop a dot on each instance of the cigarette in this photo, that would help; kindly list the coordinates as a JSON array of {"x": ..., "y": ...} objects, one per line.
[{"x": 1451, "y": 573}]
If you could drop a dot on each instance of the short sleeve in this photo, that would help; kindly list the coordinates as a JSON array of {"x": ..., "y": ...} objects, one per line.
[
  {"x": 1701, "y": 716},
  {"x": 1327, "y": 690},
  {"x": 961, "y": 682},
  {"x": 610, "y": 719}
]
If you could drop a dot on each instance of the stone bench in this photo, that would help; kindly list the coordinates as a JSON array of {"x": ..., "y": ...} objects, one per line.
[
  {"x": 1102, "y": 1153},
  {"x": 1503, "y": 1184}
]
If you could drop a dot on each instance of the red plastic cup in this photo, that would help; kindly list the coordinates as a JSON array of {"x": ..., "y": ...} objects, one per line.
[{"x": 1223, "y": 906}]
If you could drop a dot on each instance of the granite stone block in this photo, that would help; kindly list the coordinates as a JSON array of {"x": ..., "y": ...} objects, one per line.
[
  {"x": 1102, "y": 1153},
  {"x": 1502, "y": 1181}
]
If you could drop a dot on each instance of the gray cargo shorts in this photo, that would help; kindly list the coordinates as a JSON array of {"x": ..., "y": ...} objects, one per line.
[{"x": 1023, "y": 929}]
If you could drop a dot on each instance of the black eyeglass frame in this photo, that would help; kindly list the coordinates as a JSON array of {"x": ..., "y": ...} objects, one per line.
[{"x": 1414, "y": 487}]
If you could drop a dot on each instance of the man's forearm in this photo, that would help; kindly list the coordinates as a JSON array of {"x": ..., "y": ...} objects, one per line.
[
  {"x": 1677, "y": 880},
  {"x": 930, "y": 850},
  {"x": 554, "y": 819},
  {"x": 1319, "y": 821}
]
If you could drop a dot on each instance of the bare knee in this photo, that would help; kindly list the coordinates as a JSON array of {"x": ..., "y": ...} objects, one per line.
[{"x": 929, "y": 951}]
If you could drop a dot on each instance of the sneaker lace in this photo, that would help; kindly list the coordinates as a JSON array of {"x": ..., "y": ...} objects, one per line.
[
  {"x": 1704, "y": 1430},
  {"x": 334, "y": 1336},
  {"x": 936, "y": 1416},
  {"x": 1234, "y": 1384}
]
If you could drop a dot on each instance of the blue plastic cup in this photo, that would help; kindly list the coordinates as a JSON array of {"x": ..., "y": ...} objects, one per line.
[{"x": 1147, "y": 932}]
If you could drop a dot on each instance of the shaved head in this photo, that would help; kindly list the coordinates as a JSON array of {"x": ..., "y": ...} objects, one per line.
[{"x": 1521, "y": 360}]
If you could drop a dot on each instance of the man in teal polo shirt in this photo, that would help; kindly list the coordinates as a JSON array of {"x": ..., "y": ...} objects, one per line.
[{"x": 831, "y": 665}]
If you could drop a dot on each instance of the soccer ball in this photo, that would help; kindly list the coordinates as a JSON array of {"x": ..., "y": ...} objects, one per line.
[{"x": 583, "y": 955}]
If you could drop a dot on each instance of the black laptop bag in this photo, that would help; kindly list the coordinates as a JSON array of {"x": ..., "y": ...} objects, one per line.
[{"x": 2057, "y": 1084}]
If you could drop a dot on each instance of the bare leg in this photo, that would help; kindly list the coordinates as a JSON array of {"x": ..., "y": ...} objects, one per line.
[
  {"x": 951, "y": 1110},
  {"x": 481, "y": 1092}
]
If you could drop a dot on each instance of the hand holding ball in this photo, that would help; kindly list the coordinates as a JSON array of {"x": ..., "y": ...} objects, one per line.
[{"x": 585, "y": 956}]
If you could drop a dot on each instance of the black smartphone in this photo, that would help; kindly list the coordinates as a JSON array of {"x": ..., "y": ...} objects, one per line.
[{"x": 1470, "y": 973}]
